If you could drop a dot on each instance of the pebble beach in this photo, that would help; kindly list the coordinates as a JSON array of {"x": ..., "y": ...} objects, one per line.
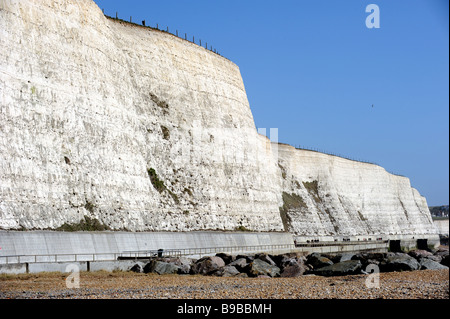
[{"x": 424, "y": 284}]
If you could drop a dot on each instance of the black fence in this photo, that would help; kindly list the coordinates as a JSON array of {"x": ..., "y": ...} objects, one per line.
[
  {"x": 183, "y": 36},
  {"x": 342, "y": 156}
]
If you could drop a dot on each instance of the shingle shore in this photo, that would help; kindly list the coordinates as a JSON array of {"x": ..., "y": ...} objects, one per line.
[{"x": 424, "y": 284}]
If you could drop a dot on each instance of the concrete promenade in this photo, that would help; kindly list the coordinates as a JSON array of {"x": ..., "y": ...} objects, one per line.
[
  {"x": 52, "y": 242},
  {"x": 38, "y": 251}
]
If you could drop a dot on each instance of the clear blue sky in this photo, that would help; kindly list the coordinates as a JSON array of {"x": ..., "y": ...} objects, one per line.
[{"x": 313, "y": 70}]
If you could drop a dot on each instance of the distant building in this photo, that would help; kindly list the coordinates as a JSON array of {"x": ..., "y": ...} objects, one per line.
[{"x": 439, "y": 211}]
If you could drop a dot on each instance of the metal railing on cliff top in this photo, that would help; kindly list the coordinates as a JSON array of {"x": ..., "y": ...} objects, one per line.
[{"x": 144, "y": 24}]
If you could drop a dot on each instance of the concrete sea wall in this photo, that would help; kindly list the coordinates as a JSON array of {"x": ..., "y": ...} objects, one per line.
[
  {"x": 59, "y": 243},
  {"x": 442, "y": 226},
  {"x": 37, "y": 251}
]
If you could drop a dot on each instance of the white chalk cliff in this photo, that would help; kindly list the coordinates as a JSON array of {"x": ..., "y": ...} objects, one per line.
[
  {"x": 327, "y": 195},
  {"x": 144, "y": 131}
]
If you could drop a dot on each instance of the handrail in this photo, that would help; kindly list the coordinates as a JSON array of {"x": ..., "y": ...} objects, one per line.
[
  {"x": 203, "y": 251},
  {"x": 340, "y": 243},
  {"x": 44, "y": 258},
  {"x": 17, "y": 259}
]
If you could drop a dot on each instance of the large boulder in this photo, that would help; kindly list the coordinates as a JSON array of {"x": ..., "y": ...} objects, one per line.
[
  {"x": 161, "y": 268},
  {"x": 293, "y": 269},
  {"x": 207, "y": 265},
  {"x": 285, "y": 260},
  {"x": 227, "y": 258},
  {"x": 419, "y": 253},
  {"x": 435, "y": 258},
  {"x": 265, "y": 257},
  {"x": 442, "y": 251},
  {"x": 278, "y": 259},
  {"x": 342, "y": 257},
  {"x": 369, "y": 258},
  {"x": 318, "y": 261},
  {"x": 399, "y": 262},
  {"x": 261, "y": 268},
  {"x": 227, "y": 271},
  {"x": 184, "y": 264},
  {"x": 348, "y": 267},
  {"x": 249, "y": 258},
  {"x": 445, "y": 260},
  {"x": 426, "y": 263},
  {"x": 443, "y": 254},
  {"x": 240, "y": 264},
  {"x": 137, "y": 268}
]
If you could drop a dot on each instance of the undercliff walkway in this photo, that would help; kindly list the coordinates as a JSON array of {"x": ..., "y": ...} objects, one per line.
[{"x": 305, "y": 248}]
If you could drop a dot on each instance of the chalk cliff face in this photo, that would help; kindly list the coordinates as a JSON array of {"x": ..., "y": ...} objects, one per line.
[
  {"x": 93, "y": 110},
  {"x": 144, "y": 131},
  {"x": 325, "y": 195}
]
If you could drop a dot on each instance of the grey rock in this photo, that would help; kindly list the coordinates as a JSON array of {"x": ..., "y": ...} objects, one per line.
[
  {"x": 372, "y": 262},
  {"x": 227, "y": 258},
  {"x": 442, "y": 252},
  {"x": 261, "y": 268},
  {"x": 240, "y": 264},
  {"x": 183, "y": 263},
  {"x": 342, "y": 257},
  {"x": 348, "y": 267},
  {"x": 399, "y": 262},
  {"x": 291, "y": 262},
  {"x": 278, "y": 259},
  {"x": 283, "y": 259},
  {"x": 418, "y": 254},
  {"x": 367, "y": 258},
  {"x": 396, "y": 254},
  {"x": 435, "y": 258},
  {"x": 426, "y": 263},
  {"x": 161, "y": 267},
  {"x": 445, "y": 260},
  {"x": 266, "y": 258},
  {"x": 207, "y": 265},
  {"x": 147, "y": 268},
  {"x": 318, "y": 261},
  {"x": 293, "y": 270},
  {"x": 249, "y": 258},
  {"x": 227, "y": 271},
  {"x": 136, "y": 268}
]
